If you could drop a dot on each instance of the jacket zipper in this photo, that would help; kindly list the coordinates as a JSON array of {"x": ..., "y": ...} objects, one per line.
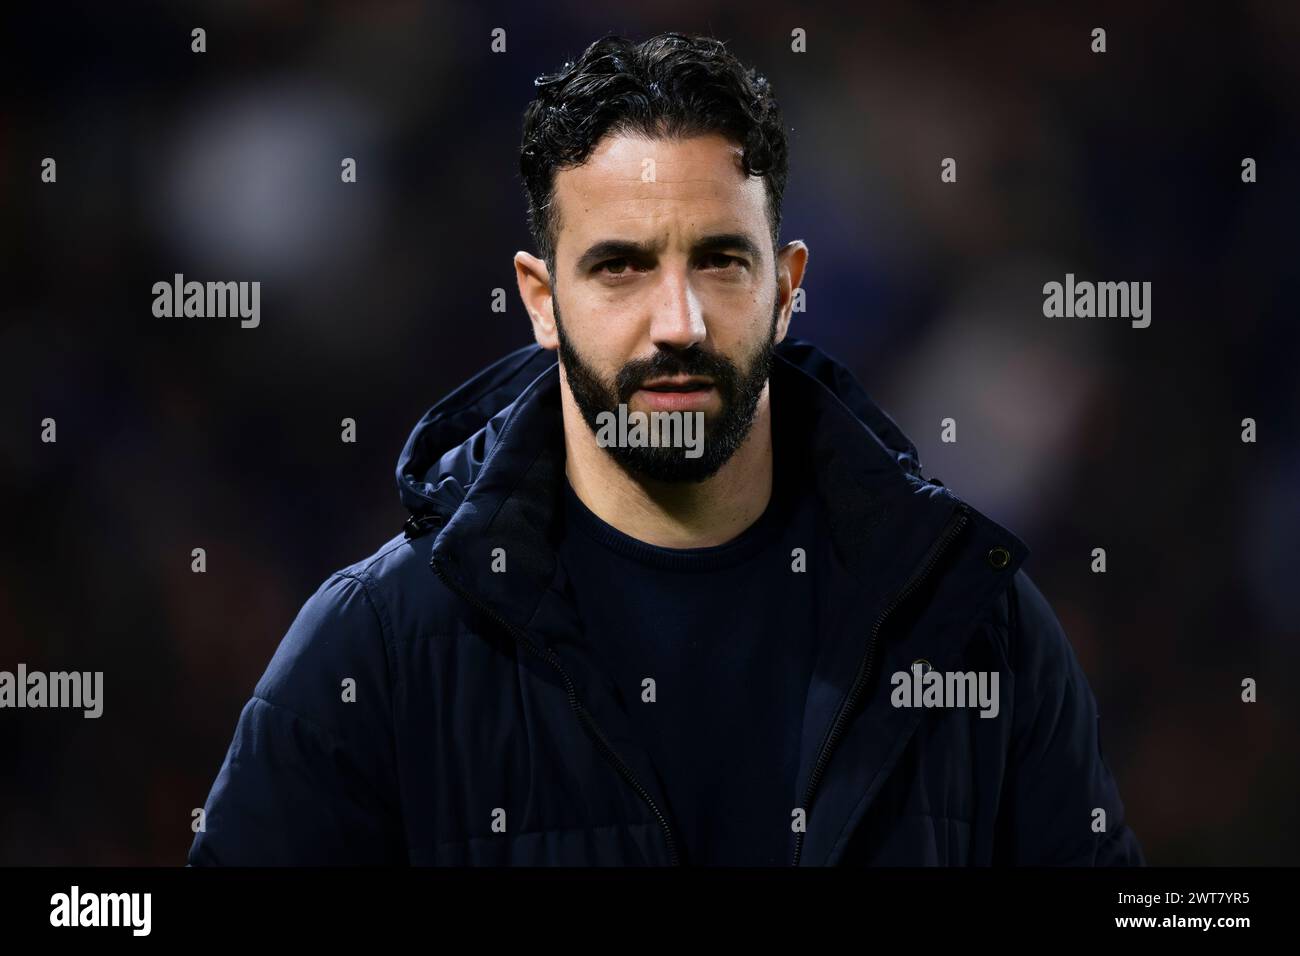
[
  {"x": 954, "y": 527},
  {"x": 588, "y": 723}
]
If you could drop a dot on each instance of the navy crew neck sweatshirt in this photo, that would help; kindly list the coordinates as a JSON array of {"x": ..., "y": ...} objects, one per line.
[{"x": 728, "y": 635}]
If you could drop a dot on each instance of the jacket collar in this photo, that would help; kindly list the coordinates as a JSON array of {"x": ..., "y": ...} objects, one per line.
[
  {"x": 499, "y": 486},
  {"x": 488, "y": 464}
]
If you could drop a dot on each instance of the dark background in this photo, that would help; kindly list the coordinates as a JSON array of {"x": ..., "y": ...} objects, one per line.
[{"x": 1074, "y": 433}]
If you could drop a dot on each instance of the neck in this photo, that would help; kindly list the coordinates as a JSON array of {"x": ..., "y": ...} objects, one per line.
[{"x": 672, "y": 514}]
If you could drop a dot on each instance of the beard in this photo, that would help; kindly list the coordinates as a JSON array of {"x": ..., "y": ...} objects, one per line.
[{"x": 739, "y": 389}]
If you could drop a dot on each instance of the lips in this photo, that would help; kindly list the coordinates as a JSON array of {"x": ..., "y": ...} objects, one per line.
[
  {"x": 677, "y": 385},
  {"x": 677, "y": 395}
]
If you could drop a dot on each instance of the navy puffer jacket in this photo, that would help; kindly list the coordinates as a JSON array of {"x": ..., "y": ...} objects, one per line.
[{"x": 420, "y": 701}]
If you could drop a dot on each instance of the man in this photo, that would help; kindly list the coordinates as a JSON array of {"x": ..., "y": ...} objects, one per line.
[{"x": 778, "y": 645}]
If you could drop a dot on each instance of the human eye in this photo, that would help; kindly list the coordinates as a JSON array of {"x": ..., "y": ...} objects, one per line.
[
  {"x": 724, "y": 262},
  {"x": 615, "y": 267}
]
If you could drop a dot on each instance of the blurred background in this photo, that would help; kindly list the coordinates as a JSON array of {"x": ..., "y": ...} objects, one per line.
[{"x": 376, "y": 300}]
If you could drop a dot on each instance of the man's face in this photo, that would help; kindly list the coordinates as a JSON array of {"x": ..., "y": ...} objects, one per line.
[{"x": 665, "y": 267}]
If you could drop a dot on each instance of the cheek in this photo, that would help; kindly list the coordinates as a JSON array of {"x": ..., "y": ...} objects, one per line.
[
  {"x": 605, "y": 332},
  {"x": 739, "y": 318}
]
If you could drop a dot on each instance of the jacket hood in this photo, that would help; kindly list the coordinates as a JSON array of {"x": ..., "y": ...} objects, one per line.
[{"x": 447, "y": 449}]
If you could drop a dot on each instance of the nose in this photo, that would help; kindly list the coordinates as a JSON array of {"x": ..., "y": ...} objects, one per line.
[{"x": 678, "y": 320}]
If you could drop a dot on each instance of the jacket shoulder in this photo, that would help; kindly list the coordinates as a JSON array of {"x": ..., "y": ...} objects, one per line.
[
  {"x": 409, "y": 598},
  {"x": 1025, "y": 627},
  {"x": 332, "y": 655}
]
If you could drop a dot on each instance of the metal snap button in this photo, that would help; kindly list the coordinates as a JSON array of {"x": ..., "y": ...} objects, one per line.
[{"x": 999, "y": 557}]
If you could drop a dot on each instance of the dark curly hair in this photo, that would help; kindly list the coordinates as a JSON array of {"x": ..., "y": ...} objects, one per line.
[{"x": 671, "y": 85}]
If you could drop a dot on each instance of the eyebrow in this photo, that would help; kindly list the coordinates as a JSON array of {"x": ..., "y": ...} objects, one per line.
[{"x": 627, "y": 249}]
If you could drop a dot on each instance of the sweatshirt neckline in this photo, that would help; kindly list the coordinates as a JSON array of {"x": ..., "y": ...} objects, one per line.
[{"x": 728, "y": 554}]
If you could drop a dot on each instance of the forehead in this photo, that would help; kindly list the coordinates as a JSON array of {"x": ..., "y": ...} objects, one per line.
[{"x": 698, "y": 186}]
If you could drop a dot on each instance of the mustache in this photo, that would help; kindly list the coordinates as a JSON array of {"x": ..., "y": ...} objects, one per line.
[{"x": 694, "y": 362}]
